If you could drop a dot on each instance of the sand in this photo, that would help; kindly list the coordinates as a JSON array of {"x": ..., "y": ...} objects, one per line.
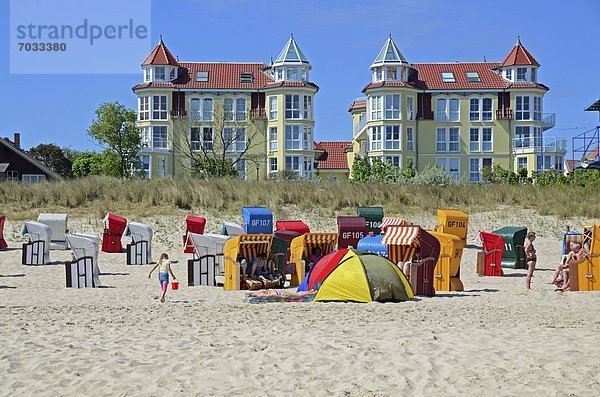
[{"x": 495, "y": 338}]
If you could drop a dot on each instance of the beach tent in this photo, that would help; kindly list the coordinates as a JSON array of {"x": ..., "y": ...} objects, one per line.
[
  {"x": 3, "y": 244},
  {"x": 568, "y": 238},
  {"x": 231, "y": 229},
  {"x": 357, "y": 276},
  {"x": 446, "y": 275},
  {"x": 301, "y": 248},
  {"x": 193, "y": 224},
  {"x": 139, "y": 251},
  {"x": 58, "y": 224},
  {"x": 373, "y": 243},
  {"x": 83, "y": 271},
  {"x": 257, "y": 220},
  {"x": 514, "y": 246},
  {"x": 373, "y": 216},
  {"x": 114, "y": 227},
  {"x": 293, "y": 225},
  {"x": 489, "y": 260},
  {"x": 350, "y": 230},
  {"x": 37, "y": 250},
  {"x": 247, "y": 245},
  {"x": 411, "y": 243},
  {"x": 454, "y": 222},
  {"x": 585, "y": 276},
  {"x": 207, "y": 265},
  {"x": 392, "y": 222}
]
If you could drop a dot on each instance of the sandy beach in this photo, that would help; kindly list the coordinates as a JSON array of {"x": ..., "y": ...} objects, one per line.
[{"x": 495, "y": 338}]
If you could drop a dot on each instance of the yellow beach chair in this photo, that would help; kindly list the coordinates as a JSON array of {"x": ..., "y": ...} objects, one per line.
[
  {"x": 249, "y": 246},
  {"x": 447, "y": 269},
  {"x": 585, "y": 276},
  {"x": 454, "y": 222}
]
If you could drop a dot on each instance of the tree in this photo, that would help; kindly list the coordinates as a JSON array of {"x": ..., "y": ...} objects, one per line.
[
  {"x": 114, "y": 129},
  {"x": 217, "y": 141},
  {"x": 361, "y": 169},
  {"x": 53, "y": 157},
  {"x": 92, "y": 163}
]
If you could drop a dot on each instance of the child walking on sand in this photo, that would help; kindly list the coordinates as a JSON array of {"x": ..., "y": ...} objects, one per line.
[{"x": 164, "y": 269}]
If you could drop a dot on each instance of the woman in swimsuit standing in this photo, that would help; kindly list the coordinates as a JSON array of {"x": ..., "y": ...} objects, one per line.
[{"x": 530, "y": 256}]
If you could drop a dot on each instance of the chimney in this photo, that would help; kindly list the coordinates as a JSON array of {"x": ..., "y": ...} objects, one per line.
[{"x": 17, "y": 139}]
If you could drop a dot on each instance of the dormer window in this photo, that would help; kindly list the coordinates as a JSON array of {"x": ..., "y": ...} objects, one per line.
[
  {"x": 202, "y": 76},
  {"x": 279, "y": 74},
  {"x": 292, "y": 74},
  {"x": 172, "y": 74},
  {"x": 246, "y": 77},
  {"x": 473, "y": 77},
  {"x": 448, "y": 77},
  {"x": 379, "y": 74},
  {"x": 392, "y": 73},
  {"x": 159, "y": 73},
  {"x": 147, "y": 74},
  {"x": 521, "y": 74},
  {"x": 533, "y": 76},
  {"x": 508, "y": 74}
]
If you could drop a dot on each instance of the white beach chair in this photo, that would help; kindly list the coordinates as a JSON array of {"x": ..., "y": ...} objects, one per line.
[
  {"x": 207, "y": 265},
  {"x": 83, "y": 271},
  {"x": 37, "y": 250},
  {"x": 58, "y": 224},
  {"x": 231, "y": 229},
  {"x": 139, "y": 251}
]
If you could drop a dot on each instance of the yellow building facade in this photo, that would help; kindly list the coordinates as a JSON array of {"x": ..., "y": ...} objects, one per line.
[{"x": 461, "y": 117}]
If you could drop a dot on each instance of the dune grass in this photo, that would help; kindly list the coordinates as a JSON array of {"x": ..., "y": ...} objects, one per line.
[{"x": 225, "y": 196}]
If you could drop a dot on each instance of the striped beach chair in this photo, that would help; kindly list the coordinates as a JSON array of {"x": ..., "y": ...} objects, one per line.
[
  {"x": 247, "y": 245},
  {"x": 302, "y": 248},
  {"x": 388, "y": 221}
]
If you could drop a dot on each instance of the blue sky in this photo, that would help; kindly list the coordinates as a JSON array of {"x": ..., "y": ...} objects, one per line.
[{"x": 341, "y": 39}]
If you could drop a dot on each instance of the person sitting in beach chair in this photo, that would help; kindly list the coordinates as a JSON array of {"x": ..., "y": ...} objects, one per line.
[
  {"x": 314, "y": 257},
  {"x": 576, "y": 256},
  {"x": 243, "y": 263}
]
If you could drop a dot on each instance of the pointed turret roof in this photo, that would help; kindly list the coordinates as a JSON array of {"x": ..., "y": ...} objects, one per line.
[
  {"x": 160, "y": 55},
  {"x": 291, "y": 54},
  {"x": 519, "y": 56},
  {"x": 389, "y": 54}
]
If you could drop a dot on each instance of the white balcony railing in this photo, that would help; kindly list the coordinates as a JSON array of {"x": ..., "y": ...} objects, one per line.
[
  {"x": 548, "y": 120},
  {"x": 539, "y": 145},
  {"x": 360, "y": 126}
]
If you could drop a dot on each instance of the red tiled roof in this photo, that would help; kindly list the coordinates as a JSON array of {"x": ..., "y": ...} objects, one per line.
[
  {"x": 416, "y": 84},
  {"x": 360, "y": 104},
  {"x": 220, "y": 76},
  {"x": 275, "y": 84},
  {"x": 334, "y": 156},
  {"x": 431, "y": 75},
  {"x": 160, "y": 55},
  {"x": 519, "y": 56}
]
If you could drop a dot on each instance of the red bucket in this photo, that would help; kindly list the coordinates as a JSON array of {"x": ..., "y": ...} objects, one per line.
[{"x": 175, "y": 285}]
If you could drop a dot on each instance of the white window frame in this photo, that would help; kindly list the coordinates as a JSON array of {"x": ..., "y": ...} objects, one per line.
[
  {"x": 33, "y": 178},
  {"x": 448, "y": 77},
  {"x": 160, "y": 108},
  {"x": 293, "y": 137},
  {"x": 444, "y": 112},
  {"x": 410, "y": 107},
  {"x": 481, "y": 145},
  {"x": 145, "y": 135},
  {"x": 273, "y": 110},
  {"x": 519, "y": 158},
  {"x": 395, "y": 161},
  {"x": 290, "y": 166},
  {"x": 523, "y": 107},
  {"x": 410, "y": 139},
  {"x": 524, "y": 78},
  {"x": 537, "y": 108},
  {"x": 144, "y": 108},
  {"x": 307, "y": 107},
  {"x": 376, "y": 138},
  {"x": 376, "y": 107},
  {"x": 307, "y": 139},
  {"x": 241, "y": 111},
  {"x": 231, "y": 138},
  {"x": 307, "y": 167},
  {"x": 451, "y": 165},
  {"x": 273, "y": 166},
  {"x": 508, "y": 74},
  {"x": 447, "y": 142},
  {"x": 292, "y": 107},
  {"x": 393, "y": 110},
  {"x": 229, "y": 109},
  {"x": 273, "y": 144},
  {"x": 476, "y": 176},
  {"x": 164, "y": 140},
  {"x": 156, "y": 74},
  {"x": 394, "y": 132},
  {"x": 147, "y": 172}
]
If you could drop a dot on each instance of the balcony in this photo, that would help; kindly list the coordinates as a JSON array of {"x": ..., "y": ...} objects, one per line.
[
  {"x": 360, "y": 126},
  {"x": 504, "y": 114},
  {"x": 178, "y": 114},
  {"x": 548, "y": 121},
  {"x": 258, "y": 113},
  {"x": 537, "y": 145}
]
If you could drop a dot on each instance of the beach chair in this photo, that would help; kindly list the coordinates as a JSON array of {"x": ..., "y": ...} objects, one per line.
[
  {"x": 373, "y": 243},
  {"x": 454, "y": 222},
  {"x": 231, "y": 229},
  {"x": 37, "y": 250},
  {"x": 489, "y": 260},
  {"x": 585, "y": 276},
  {"x": 285, "y": 236},
  {"x": 83, "y": 271},
  {"x": 58, "y": 224},
  {"x": 350, "y": 230},
  {"x": 301, "y": 248},
  {"x": 446, "y": 275},
  {"x": 193, "y": 224},
  {"x": 247, "y": 245},
  {"x": 294, "y": 225},
  {"x": 411, "y": 243},
  {"x": 388, "y": 221},
  {"x": 513, "y": 256},
  {"x": 139, "y": 251},
  {"x": 568, "y": 238},
  {"x": 373, "y": 216},
  {"x": 257, "y": 220},
  {"x": 3, "y": 244},
  {"x": 207, "y": 265},
  {"x": 114, "y": 227}
]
